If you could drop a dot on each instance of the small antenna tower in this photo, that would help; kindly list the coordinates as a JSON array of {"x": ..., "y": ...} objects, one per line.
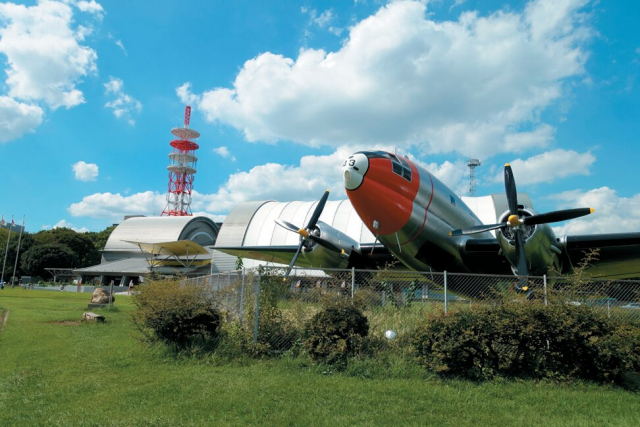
[
  {"x": 181, "y": 168},
  {"x": 473, "y": 164}
]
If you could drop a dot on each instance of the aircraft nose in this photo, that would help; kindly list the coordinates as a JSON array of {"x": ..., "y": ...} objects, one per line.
[{"x": 353, "y": 170}]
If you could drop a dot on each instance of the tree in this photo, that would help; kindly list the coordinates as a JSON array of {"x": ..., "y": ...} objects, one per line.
[
  {"x": 79, "y": 243},
  {"x": 25, "y": 243},
  {"x": 100, "y": 238},
  {"x": 37, "y": 258}
]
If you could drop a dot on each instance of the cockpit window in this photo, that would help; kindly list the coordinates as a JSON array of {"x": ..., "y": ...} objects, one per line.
[{"x": 401, "y": 167}]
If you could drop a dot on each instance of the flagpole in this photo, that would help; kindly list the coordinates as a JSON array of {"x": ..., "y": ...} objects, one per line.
[
  {"x": 5, "y": 259},
  {"x": 15, "y": 267}
]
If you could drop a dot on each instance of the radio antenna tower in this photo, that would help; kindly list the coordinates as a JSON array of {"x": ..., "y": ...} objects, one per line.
[
  {"x": 181, "y": 168},
  {"x": 472, "y": 163}
]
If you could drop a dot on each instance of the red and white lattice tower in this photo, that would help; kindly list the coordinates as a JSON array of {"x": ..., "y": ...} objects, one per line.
[{"x": 181, "y": 169}]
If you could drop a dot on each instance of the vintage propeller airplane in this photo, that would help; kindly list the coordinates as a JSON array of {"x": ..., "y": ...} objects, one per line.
[{"x": 420, "y": 222}]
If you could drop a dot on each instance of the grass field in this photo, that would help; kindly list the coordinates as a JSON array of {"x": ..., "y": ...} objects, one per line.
[{"x": 55, "y": 370}]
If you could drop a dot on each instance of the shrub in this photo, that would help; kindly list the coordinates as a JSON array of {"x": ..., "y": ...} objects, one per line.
[
  {"x": 336, "y": 333},
  {"x": 528, "y": 340},
  {"x": 175, "y": 313},
  {"x": 276, "y": 332}
]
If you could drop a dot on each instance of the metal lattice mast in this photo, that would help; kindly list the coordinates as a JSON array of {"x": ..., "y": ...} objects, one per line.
[
  {"x": 473, "y": 163},
  {"x": 181, "y": 168}
]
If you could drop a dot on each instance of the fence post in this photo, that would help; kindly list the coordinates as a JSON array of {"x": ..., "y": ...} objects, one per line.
[
  {"x": 242, "y": 297},
  {"x": 255, "y": 333},
  {"x": 544, "y": 279},
  {"x": 446, "y": 297},
  {"x": 353, "y": 281}
]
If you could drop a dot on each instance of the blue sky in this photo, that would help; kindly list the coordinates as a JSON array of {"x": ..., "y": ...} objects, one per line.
[{"x": 282, "y": 91}]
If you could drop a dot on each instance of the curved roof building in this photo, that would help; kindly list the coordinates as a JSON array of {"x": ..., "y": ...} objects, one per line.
[
  {"x": 198, "y": 229},
  {"x": 140, "y": 245},
  {"x": 253, "y": 224}
]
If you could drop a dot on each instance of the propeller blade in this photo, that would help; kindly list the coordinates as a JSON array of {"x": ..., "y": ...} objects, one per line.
[
  {"x": 556, "y": 216},
  {"x": 318, "y": 211},
  {"x": 287, "y": 225},
  {"x": 325, "y": 243},
  {"x": 294, "y": 259},
  {"x": 510, "y": 189},
  {"x": 477, "y": 229},
  {"x": 521, "y": 265}
]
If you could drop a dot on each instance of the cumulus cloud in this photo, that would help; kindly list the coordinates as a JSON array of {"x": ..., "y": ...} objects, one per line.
[
  {"x": 115, "y": 206},
  {"x": 323, "y": 20},
  {"x": 474, "y": 86},
  {"x": 45, "y": 60},
  {"x": 186, "y": 95},
  {"x": 123, "y": 105},
  {"x": 272, "y": 181},
  {"x": 613, "y": 214},
  {"x": 63, "y": 223},
  {"x": 224, "y": 153},
  {"x": 85, "y": 171},
  {"x": 453, "y": 175},
  {"x": 17, "y": 118},
  {"x": 549, "y": 166},
  {"x": 91, "y": 7}
]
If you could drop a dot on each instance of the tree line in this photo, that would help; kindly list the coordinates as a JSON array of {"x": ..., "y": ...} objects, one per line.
[{"x": 56, "y": 248}]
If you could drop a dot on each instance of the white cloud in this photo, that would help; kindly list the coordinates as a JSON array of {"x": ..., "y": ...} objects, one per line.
[
  {"x": 186, "y": 96},
  {"x": 305, "y": 181},
  {"x": 457, "y": 3},
  {"x": 224, "y": 153},
  {"x": 85, "y": 171},
  {"x": 17, "y": 118},
  {"x": 91, "y": 7},
  {"x": 63, "y": 223},
  {"x": 115, "y": 206},
  {"x": 273, "y": 181},
  {"x": 121, "y": 46},
  {"x": 453, "y": 175},
  {"x": 123, "y": 105},
  {"x": 324, "y": 19},
  {"x": 549, "y": 166},
  {"x": 45, "y": 61},
  {"x": 473, "y": 86},
  {"x": 613, "y": 214}
]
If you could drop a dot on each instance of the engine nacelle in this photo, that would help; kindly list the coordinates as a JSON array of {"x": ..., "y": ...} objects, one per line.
[
  {"x": 320, "y": 256},
  {"x": 540, "y": 245}
]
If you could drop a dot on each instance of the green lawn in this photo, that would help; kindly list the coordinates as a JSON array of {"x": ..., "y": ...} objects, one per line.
[{"x": 56, "y": 371}]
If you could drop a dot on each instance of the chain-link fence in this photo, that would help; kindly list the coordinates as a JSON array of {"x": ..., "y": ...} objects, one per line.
[{"x": 274, "y": 309}]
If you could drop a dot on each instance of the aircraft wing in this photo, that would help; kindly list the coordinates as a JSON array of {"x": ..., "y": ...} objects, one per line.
[
  {"x": 275, "y": 254},
  {"x": 369, "y": 257},
  {"x": 617, "y": 257}
]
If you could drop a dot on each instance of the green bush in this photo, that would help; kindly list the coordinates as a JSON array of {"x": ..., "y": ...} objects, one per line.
[
  {"x": 276, "y": 332},
  {"x": 528, "y": 340},
  {"x": 336, "y": 333},
  {"x": 175, "y": 313}
]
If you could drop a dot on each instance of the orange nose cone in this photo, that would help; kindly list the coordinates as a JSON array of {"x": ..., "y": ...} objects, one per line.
[
  {"x": 513, "y": 220},
  {"x": 384, "y": 197}
]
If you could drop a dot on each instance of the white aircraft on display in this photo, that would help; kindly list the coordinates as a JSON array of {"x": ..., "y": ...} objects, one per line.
[{"x": 421, "y": 223}]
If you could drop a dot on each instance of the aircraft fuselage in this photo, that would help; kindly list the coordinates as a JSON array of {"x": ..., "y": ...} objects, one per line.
[{"x": 409, "y": 210}]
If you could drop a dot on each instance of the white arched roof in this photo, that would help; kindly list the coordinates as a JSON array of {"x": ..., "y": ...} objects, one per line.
[{"x": 161, "y": 229}]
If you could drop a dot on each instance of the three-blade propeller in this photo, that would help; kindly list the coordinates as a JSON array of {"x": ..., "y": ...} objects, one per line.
[
  {"x": 515, "y": 221},
  {"x": 306, "y": 233}
]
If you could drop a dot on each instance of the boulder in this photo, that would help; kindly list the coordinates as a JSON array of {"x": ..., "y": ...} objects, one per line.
[
  {"x": 101, "y": 296},
  {"x": 89, "y": 316}
]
